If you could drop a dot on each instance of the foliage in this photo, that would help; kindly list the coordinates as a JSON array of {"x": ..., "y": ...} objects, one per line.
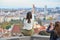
[
  {"x": 8, "y": 26},
  {"x": 43, "y": 33},
  {"x": 5, "y": 24}
]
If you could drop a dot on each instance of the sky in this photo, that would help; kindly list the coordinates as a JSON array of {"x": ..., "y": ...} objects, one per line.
[{"x": 28, "y": 3}]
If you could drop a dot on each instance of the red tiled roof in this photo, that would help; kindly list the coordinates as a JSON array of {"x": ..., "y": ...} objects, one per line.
[
  {"x": 16, "y": 29},
  {"x": 42, "y": 27},
  {"x": 1, "y": 29},
  {"x": 37, "y": 30}
]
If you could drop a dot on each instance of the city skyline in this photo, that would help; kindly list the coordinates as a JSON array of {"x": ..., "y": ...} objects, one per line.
[{"x": 28, "y": 3}]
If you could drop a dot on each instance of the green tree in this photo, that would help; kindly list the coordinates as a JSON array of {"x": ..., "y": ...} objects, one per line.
[
  {"x": 8, "y": 26},
  {"x": 5, "y": 24}
]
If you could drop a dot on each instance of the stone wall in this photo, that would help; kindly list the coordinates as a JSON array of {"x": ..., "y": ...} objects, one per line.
[
  {"x": 35, "y": 37},
  {"x": 39, "y": 37}
]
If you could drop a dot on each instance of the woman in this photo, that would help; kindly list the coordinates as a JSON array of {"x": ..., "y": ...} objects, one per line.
[
  {"x": 50, "y": 30},
  {"x": 28, "y": 24},
  {"x": 57, "y": 29}
]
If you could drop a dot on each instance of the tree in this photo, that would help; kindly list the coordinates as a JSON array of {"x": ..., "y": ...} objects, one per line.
[
  {"x": 8, "y": 26},
  {"x": 5, "y": 24}
]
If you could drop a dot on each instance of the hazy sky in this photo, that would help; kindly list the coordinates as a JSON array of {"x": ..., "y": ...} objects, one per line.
[{"x": 28, "y": 3}]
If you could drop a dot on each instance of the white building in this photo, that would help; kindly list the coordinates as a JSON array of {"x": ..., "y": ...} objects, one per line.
[{"x": 1, "y": 19}]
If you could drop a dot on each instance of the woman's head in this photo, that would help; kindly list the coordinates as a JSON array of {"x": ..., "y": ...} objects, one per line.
[
  {"x": 57, "y": 27},
  {"x": 29, "y": 16}
]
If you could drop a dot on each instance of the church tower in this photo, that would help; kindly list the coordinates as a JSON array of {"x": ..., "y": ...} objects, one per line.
[{"x": 34, "y": 9}]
